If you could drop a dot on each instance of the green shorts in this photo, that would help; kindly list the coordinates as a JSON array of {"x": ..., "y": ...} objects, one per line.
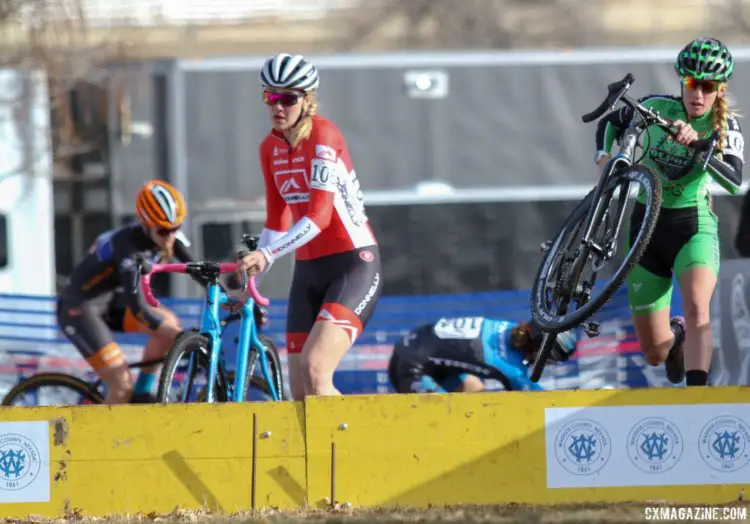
[{"x": 684, "y": 238}]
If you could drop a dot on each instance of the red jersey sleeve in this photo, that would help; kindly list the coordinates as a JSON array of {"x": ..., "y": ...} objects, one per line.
[
  {"x": 324, "y": 171},
  {"x": 278, "y": 214}
]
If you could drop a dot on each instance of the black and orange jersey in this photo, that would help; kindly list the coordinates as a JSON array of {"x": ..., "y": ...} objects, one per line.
[{"x": 110, "y": 264}]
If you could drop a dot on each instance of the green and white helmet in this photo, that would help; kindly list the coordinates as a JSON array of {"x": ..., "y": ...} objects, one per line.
[{"x": 705, "y": 58}]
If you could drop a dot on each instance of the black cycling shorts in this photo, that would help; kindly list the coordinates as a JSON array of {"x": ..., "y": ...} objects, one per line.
[
  {"x": 89, "y": 326},
  {"x": 423, "y": 354},
  {"x": 84, "y": 325},
  {"x": 342, "y": 289}
]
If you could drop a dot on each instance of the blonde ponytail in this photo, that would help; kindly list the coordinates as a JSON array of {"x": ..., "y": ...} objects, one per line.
[
  {"x": 303, "y": 129},
  {"x": 722, "y": 112},
  {"x": 719, "y": 122}
]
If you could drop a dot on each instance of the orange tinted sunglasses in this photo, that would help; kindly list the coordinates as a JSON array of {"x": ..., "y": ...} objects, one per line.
[{"x": 707, "y": 86}]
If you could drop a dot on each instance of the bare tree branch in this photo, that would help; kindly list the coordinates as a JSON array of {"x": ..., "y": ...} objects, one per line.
[{"x": 51, "y": 36}]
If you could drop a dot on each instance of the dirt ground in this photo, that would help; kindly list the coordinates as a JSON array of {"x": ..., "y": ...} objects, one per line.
[{"x": 592, "y": 513}]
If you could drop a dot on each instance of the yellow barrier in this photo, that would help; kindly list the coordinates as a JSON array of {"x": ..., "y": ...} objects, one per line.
[
  {"x": 129, "y": 459},
  {"x": 490, "y": 448},
  {"x": 682, "y": 445}
]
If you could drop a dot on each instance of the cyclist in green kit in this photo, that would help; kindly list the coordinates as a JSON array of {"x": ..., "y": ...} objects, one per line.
[{"x": 685, "y": 241}]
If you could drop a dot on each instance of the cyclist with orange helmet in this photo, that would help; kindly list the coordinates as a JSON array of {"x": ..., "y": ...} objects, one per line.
[{"x": 86, "y": 311}]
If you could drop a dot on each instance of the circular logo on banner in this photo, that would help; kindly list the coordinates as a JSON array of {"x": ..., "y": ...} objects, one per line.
[
  {"x": 19, "y": 462},
  {"x": 367, "y": 256},
  {"x": 723, "y": 443},
  {"x": 654, "y": 445},
  {"x": 582, "y": 447}
]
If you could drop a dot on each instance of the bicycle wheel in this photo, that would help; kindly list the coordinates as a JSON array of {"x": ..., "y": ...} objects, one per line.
[
  {"x": 558, "y": 281},
  {"x": 500, "y": 377},
  {"x": 274, "y": 361},
  {"x": 258, "y": 382},
  {"x": 29, "y": 388},
  {"x": 176, "y": 364}
]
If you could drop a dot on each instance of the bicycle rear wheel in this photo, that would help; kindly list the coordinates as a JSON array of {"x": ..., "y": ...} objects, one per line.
[
  {"x": 188, "y": 362},
  {"x": 28, "y": 391},
  {"x": 560, "y": 281}
]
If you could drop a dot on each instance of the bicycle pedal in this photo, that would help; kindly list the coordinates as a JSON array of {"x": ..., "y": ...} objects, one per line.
[{"x": 592, "y": 328}]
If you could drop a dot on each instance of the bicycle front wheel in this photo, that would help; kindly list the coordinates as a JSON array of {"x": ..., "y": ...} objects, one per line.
[
  {"x": 569, "y": 269},
  {"x": 257, "y": 382},
  {"x": 184, "y": 375},
  {"x": 52, "y": 389}
]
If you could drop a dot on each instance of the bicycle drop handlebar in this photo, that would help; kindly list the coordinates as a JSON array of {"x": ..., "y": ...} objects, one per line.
[
  {"x": 148, "y": 269},
  {"x": 616, "y": 94}
]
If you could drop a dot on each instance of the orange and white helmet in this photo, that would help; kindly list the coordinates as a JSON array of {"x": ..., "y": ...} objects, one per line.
[{"x": 160, "y": 204}]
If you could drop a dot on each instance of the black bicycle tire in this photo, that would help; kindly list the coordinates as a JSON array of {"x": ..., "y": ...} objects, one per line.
[
  {"x": 275, "y": 360},
  {"x": 259, "y": 382},
  {"x": 56, "y": 380},
  {"x": 250, "y": 380},
  {"x": 184, "y": 345},
  {"x": 542, "y": 356},
  {"x": 652, "y": 183},
  {"x": 500, "y": 377}
]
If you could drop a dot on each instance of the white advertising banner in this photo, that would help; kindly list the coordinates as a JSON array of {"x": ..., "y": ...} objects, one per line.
[{"x": 667, "y": 445}]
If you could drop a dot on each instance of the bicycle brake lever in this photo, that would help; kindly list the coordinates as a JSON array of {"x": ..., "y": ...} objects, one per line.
[
  {"x": 709, "y": 152},
  {"x": 245, "y": 282},
  {"x": 139, "y": 270}
]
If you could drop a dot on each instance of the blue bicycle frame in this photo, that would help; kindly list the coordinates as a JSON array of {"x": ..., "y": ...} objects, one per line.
[{"x": 210, "y": 327}]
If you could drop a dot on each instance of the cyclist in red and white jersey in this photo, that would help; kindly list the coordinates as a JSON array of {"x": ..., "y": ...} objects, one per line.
[{"x": 310, "y": 180}]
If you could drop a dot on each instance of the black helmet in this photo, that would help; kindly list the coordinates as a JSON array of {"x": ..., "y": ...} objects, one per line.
[{"x": 705, "y": 59}]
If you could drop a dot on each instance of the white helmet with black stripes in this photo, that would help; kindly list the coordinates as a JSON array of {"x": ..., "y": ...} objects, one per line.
[{"x": 289, "y": 72}]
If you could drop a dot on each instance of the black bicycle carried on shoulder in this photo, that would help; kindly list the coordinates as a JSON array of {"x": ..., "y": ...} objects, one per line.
[{"x": 587, "y": 241}]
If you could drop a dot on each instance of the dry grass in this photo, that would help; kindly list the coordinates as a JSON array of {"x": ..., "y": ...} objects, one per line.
[{"x": 521, "y": 514}]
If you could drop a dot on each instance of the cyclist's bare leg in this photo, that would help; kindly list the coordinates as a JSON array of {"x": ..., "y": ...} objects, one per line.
[
  {"x": 697, "y": 286},
  {"x": 296, "y": 384},
  {"x": 655, "y": 335},
  {"x": 324, "y": 349},
  {"x": 471, "y": 384},
  {"x": 161, "y": 340},
  {"x": 119, "y": 382},
  {"x": 159, "y": 343},
  {"x": 109, "y": 363}
]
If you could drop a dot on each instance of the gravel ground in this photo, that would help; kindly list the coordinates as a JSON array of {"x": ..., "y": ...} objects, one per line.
[{"x": 594, "y": 513}]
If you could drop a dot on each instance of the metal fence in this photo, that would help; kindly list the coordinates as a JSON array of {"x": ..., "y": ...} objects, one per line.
[{"x": 30, "y": 341}]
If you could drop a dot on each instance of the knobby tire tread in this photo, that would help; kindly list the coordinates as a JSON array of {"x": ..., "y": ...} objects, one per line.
[
  {"x": 187, "y": 343},
  {"x": 634, "y": 255},
  {"x": 55, "y": 380}
]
